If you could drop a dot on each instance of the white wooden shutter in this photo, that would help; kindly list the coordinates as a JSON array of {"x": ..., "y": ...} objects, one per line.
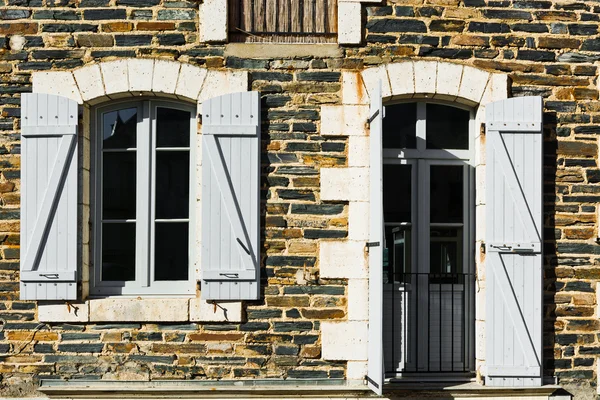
[
  {"x": 375, "y": 363},
  {"x": 48, "y": 197},
  {"x": 230, "y": 197},
  {"x": 514, "y": 242}
]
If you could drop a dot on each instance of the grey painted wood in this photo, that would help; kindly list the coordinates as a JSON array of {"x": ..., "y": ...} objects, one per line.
[
  {"x": 375, "y": 372},
  {"x": 48, "y": 198},
  {"x": 230, "y": 268},
  {"x": 514, "y": 242}
]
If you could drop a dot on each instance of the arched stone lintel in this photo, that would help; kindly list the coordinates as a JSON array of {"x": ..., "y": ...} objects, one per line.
[{"x": 95, "y": 83}]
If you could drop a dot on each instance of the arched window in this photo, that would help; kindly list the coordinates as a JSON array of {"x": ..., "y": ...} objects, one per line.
[
  {"x": 143, "y": 174},
  {"x": 428, "y": 202}
]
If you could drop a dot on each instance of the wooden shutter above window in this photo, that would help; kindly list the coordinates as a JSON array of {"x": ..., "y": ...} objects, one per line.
[
  {"x": 514, "y": 242},
  {"x": 230, "y": 197},
  {"x": 286, "y": 21},
  {"x": 48, "y": 198}
]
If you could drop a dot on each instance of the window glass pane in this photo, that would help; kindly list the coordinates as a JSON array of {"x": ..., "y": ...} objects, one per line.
[
  {"x": 400, "y": 126},
  {"x": 172, "y": 127},
  {"x": 119, "y": 129},
  {"x": 446, "y": 194},
  {"x": 446, "y": 250},
  {"x": 118, "y": 252},
  {"x": 397, "y": 258},
  {"x": 171, "y": 251},
  {"x": 397, "y": 193},
  {"x": 172, "y": 184},
  {"x": 118, "y": 185},
  {"x": 447, "y": 127}
]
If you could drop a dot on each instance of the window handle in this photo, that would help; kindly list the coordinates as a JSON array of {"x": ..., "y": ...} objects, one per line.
[{"x": 50, "y": 276}]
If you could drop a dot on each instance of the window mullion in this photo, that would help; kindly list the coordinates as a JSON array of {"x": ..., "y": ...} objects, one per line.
[
  {"x": 421, "y": 127},
  {"x": 143, "y": 198}
]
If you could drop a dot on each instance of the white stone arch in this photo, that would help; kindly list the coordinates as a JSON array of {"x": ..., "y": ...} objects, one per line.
[{"x": 347, "y": 258}]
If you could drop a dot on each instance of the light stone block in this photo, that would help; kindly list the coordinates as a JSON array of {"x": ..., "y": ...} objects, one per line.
[
  {"x": 218, "y": 83},
  {"x": 349, "y": 23},
  {"x": 342, "y": 259},
  {"x": 191, "y": 79},
  {"x": 345, "y": 184},
  {"x": 499, "y": 86},
  {"x": 479, "y": 303},
  {"x": 115, "y": 76},
  {"x": 140, "y": 73},
  {"x": 358, "y": 300},
  {"x": 213, "y": 21},
  {"x": 425, "y": 76},
  {"x": 473, "y": 86},
  {"x": 347, "y": 120},
  {"x": 480, "y": 340},
  {"x": 139, "y": 310},
  {"x": 358, "y": 220},
  {"x": 356, "y": 370},
  {"x": 89, "y": 81},
  {"x": 448, "y": 79},
  {"x": 402, "y": 78},
  {"x": 344, "y": 340},
  {"x": 371, "y": 78},
  {"x": 59, "y": 83},
  {"x": 77, "y": 312},
  {"x": 164, "y": 78},
  {"x": 358, "y": 151},
  {"x": 353, "y": 89},
  {"x": 480, "y": 223},
  {"x": 225, "y": 311}
]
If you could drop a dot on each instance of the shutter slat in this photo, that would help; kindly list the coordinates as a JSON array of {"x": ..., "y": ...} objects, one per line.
[
  {"x": 514, "y": 223},
  {"x": 49, "y": 198},
  {"x": 230, "y": 197},
  {"x": 375, "y": 370}
]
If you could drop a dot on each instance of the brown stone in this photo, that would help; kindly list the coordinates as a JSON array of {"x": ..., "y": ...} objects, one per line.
[
  {"x": 584, "y": 299},
  {"x": 562, "y": 298},
  {"x": 36, "y": 369},
  {"x": 117, "y": 27},
  {"x": 462, "y": 13},
  {"x": 59, "y": 40},
  {"x": 578, "y": 233},
  {"x": 450, "y": 25},
  {"x": 112, "y": 337},
  {"x": 215, "y": 62},
  {"x": 549, "y": 42},
  {"x": 18, "y": 28},
  {"x": 155, "y": 26},
  {"x": 306, "y": 182},
  {"x": 6, "y": 187},
  {"x": 550, "y": 80},
  {"x": 563, "y": 219},
  {"x": 556, "y": 16},
  {"x": 469, "y": 40},
  {"x": 310, "y": 352},
  {"x": 302, "y": 247},
  {"x": 564, "y": 94},
  {"x": 585, "y": 94},
  {"x": 94, "y": 40},
  {"x": 27, "y": 336},
  {"x": 577, "y": 148},
  {"x": 121, "y": 347},
  {"x": 5, "y": 68},
  {"x": 329, "y": 313},
  {"x": 287, "y": 301},
  {"x": 569, "y": 176},
  {"x": 231, "y": 337},
  {"x": 172, "y": 348},
  {"x": 507, "y": 66}
]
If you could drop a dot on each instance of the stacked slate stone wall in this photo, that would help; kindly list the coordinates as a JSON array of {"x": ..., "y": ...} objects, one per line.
[{"x": 548, "y": 48}]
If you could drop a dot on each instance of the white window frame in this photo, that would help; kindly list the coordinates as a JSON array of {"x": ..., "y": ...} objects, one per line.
[
  {"x": 145, "y": 201},
  {"x": 421, "y": 159}
]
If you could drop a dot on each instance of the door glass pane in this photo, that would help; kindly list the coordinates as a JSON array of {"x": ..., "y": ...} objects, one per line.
[
  {"x": 118, "y": 185},
  {"x": 172, "y": 184},
  {"x": 446, "y": 194},
  {"x": 172, "y": 127},
  {"x": 446, "y": 251},
  {"x": 397, "y": 194},
  {"x": 119, "y": 129},
  {"x": 447, "y": 127},
  {"x": 118, "y": 252},
  {"x": 171, "y": 251},
  {"x": 400, "y": 126}
]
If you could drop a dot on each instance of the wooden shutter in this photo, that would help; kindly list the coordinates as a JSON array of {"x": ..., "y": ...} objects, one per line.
[
  {"x": 230, "y": 197},
  {"x": 48, "y": 197},
  {"x": 514, "y": 242},
  {"x": 375, "y": 362}
]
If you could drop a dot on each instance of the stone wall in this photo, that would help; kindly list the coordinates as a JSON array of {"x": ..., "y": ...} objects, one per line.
[{"x": 548, "y": 48}]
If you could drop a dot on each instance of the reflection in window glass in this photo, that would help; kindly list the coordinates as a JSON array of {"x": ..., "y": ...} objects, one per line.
[
  {"x": 119, "y": 129},
  {"x": 447, "y": 127},
  {"x": 172, "y": 184},
  {"x": 172, "y": 127},
  {"x": 118, "y": 185},
  {"x": 445, "y": 252},
  {"x": 397, "y": 193},
  {"x": 171, "y": 251},
  {"x": 400, "y": 126},
  {"x": 118, "y": 252},
  {"x": 446, "y": 194},
  {"x": 398, "y": 242}
]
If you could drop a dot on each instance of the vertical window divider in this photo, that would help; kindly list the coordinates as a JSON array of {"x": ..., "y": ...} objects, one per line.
[
  {"x": 143, "y": 190},
  {"x": 421, "y": 127}
]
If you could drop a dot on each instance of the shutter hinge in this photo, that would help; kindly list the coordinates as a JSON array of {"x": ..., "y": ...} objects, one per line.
[
  {"x": 372, "y": 244},
  {"x": 372, "y": 382},
  {"x": 372, "y": 117}
]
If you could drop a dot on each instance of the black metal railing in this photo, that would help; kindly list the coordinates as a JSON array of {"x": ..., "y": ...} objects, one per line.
[{"x": 429, "y": 323}]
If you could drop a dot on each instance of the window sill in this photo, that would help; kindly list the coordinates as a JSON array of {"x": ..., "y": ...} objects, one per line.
[
  {"x": 140, "y": 310},
  {"x": 282, "y": 50}
]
